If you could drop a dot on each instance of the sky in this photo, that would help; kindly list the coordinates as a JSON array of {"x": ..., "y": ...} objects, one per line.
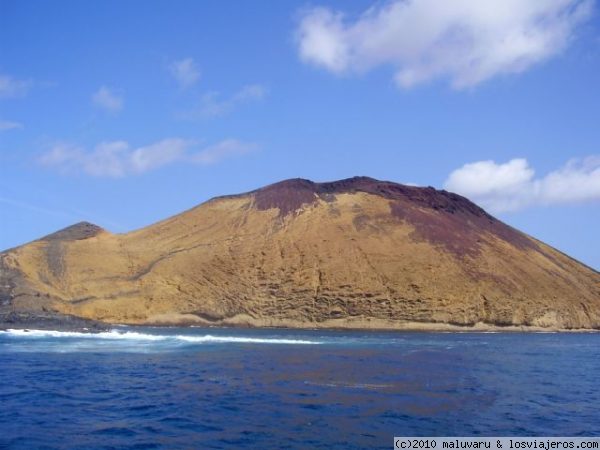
[{"x": 125, "y": 113}]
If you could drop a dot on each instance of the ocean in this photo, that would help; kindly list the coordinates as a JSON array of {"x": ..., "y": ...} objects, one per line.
[{"x": 196, "y": 388}]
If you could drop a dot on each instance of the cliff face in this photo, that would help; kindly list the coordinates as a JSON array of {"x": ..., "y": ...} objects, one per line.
[{"x": 357, "y": 253}]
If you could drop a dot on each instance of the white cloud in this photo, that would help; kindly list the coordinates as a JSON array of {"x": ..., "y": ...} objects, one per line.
[
  {"x": 466, "y": 41},
  {"x": 11, "y": 87},
  {"x": 213, "y": 105},
  {"x": 158, "y": 154},
  {"x": 513, "y": 186},
  {"x": 108, "y": 100},
  {"x": 186, "y": 72},
  {"x": 118, "y": 159},
  {"x": 250, "y": 92},
  {"x": 322, "y": 39},
  {"x": 225, "y": 149},
  {"x": 6, "y": 125}
]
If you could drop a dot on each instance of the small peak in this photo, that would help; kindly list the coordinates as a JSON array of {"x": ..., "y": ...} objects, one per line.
[
  {"x": 75, "y": 232},
  {"x": 291, "y": 183},
  {"x": 287, "y": 196}
]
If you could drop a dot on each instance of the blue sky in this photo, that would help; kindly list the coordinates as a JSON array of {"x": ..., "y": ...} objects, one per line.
[{"x": 124, "y": 113}]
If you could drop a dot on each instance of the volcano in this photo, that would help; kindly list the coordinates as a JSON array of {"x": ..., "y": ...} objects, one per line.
[{"x": 354, "y": 253}]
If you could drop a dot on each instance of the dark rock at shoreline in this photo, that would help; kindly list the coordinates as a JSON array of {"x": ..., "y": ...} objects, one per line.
[{"x": 49, "y": 321}]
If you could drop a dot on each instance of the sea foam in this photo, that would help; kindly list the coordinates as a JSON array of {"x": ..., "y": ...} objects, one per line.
[{"x": 135, "y": 336}]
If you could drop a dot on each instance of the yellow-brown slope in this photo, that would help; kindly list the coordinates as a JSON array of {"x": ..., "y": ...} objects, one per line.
[{"x": 358, "y": 252}]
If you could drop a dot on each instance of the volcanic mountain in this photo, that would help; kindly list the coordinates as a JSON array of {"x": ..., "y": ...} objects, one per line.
[{"x": 357, "y": 253}]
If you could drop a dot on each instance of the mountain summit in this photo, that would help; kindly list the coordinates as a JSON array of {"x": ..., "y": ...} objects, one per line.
[{"x": 358, "y": 253}]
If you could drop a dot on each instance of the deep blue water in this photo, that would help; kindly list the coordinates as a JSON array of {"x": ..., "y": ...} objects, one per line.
[{"x": 221, "y": 388}]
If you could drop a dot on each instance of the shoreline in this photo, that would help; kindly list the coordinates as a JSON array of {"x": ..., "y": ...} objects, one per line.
[
  {"x": 359, "y": 324},
  {"x": 411, "y": 327},
  {"x": 63, "y": 322},
  {"x": 44, "y": 320}
]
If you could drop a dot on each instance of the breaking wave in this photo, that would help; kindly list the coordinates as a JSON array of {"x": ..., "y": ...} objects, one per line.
[{"x": 144, "y": 338}]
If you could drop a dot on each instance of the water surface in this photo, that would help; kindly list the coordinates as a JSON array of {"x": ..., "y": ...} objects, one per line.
[{"x": 219, "y": 388}]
